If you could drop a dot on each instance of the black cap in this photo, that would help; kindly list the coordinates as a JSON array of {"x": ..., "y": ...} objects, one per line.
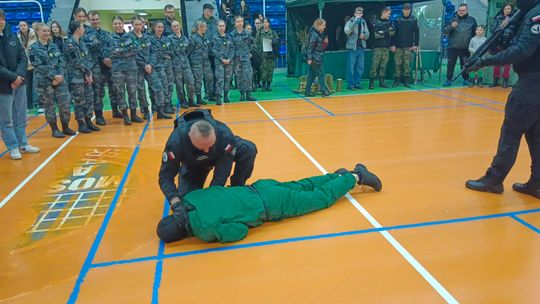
[
  {"x": 208, "y": 5},
  {"x": 407, "y": 6}
]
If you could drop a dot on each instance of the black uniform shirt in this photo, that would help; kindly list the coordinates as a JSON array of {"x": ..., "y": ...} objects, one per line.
[{"x": 179, "y": 151}]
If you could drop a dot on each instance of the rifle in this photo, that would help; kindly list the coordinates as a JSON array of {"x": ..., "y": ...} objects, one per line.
[{"x": 487, "y": 45}]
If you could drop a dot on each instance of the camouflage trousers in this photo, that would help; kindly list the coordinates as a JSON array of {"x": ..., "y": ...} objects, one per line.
[
  {"x": 184, "y": 76},
  {"x": 48, "y": 94},
  {"x": 98, "y": 88},
  {"x": 83, "y": 99},
  {"x": 203, "y": 72},
  {"x": 169, "y": 88},
  {"x": 123, "y": 80},
  {"x": 160, "y": 75},
  {"x": 379, "y": 62},
  {"x": 244, "y": 74},
  {"x": 106, "y": 80},
  {"x": 224, "y": 74},
  {"x": 403, "y": 58},
  {"x": 154, "y": 85},
  {"x": 268, "y": 65}
]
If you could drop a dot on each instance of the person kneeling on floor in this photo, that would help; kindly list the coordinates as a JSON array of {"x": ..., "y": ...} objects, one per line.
[{"x": 224, "y": 214}]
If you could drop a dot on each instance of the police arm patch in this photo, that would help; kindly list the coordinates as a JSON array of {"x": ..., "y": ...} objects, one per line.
[
  {"x": 535, "y": 29},
  {"x": 168, "y": 155}
]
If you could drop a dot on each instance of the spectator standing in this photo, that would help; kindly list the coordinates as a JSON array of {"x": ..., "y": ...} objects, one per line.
[
  {"x": 27, "y": 37},
  {"x": 404, "y": 42},
  {"x": 501, "y": 19},
  {"x": 474, "y": 44},
  {"x": 267, "y": 41},
  {"x": 461, "y": 29},
  {"x": 357, "y": 34}
]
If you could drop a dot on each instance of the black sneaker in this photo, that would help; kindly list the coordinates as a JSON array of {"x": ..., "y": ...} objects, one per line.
[
  {"x": 367, "y": 178},
  {"x": 485, "y": 184},
  {"x": 341, "y": 171}
]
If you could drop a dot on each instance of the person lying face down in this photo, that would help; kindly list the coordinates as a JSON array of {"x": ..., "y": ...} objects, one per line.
[{"x": 224, "y": 214}]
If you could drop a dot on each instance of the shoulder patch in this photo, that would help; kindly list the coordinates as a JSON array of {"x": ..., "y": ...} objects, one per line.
[
  {"x": 168, "y": 155},
  {"x": 536, "y": 19},
  {"x": 535, "y": 29}
]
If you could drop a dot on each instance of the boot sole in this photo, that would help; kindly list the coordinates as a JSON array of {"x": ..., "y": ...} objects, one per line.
[
  {"x": 533, "y": 193},
  {"x": 495, "y": 191}
]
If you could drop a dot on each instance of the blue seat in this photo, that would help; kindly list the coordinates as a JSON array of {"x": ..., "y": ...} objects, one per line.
[
  {"x": 23, "y": 15},
  {"x": 274, "y": 22},
  {"x": 36, "y": 15},
  {"x": 14, "y": 28},
  {"x": 10, "y": 16}
]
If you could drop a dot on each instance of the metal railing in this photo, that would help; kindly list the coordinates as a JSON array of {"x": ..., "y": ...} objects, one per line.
[{"x": 28, "y": 1}]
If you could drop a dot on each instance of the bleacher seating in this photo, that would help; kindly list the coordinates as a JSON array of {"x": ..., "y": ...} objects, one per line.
[{"x": 26, "y": 11}]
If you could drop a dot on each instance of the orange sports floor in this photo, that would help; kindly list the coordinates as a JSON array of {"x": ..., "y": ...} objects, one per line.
[{"x": 79, "y": 218}]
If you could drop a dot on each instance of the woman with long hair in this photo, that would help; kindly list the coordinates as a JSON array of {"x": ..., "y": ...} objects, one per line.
[
  {"x": 242, "y": 65},
  {"x": 223, "y": 49},
  {"x": 502, "y": 18},
  {"x": 181, "y": 67},
  {"x": 27, "y": 36},
  {"x": 269, "y": 57},
  {"x": 58, "y": 35},
  {"x": 49, "y": 65},
  {"x": 317, "y": 43},
  {"x": 161, "y": 47}
]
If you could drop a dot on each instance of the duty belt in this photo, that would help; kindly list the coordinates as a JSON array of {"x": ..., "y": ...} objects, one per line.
[{"x": 266, "y": 217}]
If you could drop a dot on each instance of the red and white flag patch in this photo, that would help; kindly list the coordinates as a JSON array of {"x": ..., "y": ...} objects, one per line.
[
  {"x": 168, "y": 155},
  {"x": 536, "y": 19}
]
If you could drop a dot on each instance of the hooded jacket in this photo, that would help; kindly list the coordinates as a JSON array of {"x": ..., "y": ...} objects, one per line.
[
  {"x": 13, "y": 61},
  {"x": 316, "y": 46}
]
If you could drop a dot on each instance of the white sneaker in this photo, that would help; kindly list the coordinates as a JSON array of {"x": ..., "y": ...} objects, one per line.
[
  {"x": 41, "y": 110},
  {"x": 15, "y": 154},
  {"x": 29, "y": 149}
]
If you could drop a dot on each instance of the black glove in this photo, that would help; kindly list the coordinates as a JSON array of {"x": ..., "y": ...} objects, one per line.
[{"x": 475, "y": 65}]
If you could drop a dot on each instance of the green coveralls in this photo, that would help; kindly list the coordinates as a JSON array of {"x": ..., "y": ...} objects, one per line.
[{"x": 225, "y": 214}]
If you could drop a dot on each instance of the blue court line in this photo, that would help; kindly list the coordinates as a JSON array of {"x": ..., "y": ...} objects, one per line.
[
  {"x": 466, "y": 94},
  {"x": 315, "y": 237},
  {"x": 29, "y": 135},
  {"x": 526, "y": 224},
  {"x": 101, "y": 232},
  {"x": 335, "y": 115},
  {"x": 460, "y": 100},
  {"x": 159, "y": 265},
  {"x": 309, "y": 100}
]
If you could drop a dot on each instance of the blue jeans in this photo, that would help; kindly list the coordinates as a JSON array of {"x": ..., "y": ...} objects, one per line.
[
  {"x": 13, "y": 118},
  {"x": 355, "y": 67}
]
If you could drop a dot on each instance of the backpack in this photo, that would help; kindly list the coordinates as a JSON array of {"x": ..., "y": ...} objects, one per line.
[{"x": 193, "y": 115}]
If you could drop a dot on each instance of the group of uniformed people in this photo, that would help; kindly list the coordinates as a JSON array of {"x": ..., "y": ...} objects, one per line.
[{"x": 91, "y": 58}]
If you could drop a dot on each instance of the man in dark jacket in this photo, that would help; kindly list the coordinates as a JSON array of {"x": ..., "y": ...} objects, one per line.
[
  {"x": 170, "y": 13},
  {"x": 383, "y": 31},
  {"x": 522, "y": 113},
  {"x": 460, "y": 31},
  {"x": 404, "y": 42},
  {"x": 225, "y": 214},
  {"x": 13, "y": 63},
  {"x": 198, "y": 144}
]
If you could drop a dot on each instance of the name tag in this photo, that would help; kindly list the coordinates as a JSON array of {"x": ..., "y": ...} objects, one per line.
[{"x": 202, "y": 157}]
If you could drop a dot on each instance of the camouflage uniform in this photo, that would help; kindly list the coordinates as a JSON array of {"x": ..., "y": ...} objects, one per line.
[
  {"x": 122, "y": 50},
  {"x": 403, "y": 58},
  {"x": 181, "y": 67},
  {"x": 211, "y": 33},
  {"x": 96, "y": 42},
  {"x": 146, "y": 56},
  {"x": 269, "y": 59},
  {"x": 223, "y": 48},
  {"x": 383, "y": 32},
  {"x": 162, "y": 49},
  {"x": 200, "y": 65},
  {"x": 48, "y": 62},
  {"x": 242, "y": 64},
  {"x": 79, "y": 65}
]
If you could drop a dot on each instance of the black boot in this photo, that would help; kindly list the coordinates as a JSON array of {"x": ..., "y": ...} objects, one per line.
[
  {"x": 162, "y": 115},
  {"x": 116, "y": 113},
  {"x": 66, "y": 130},
  {"x": 396, "y": 82},
  {"x": 169, "y": 109},
  {"x": 127, "y": 121},
  {"x": 505, "y": 83},
  {"x": 382, "y": 84},
  {"x": 242, "y": 96},
  {"x": 83, "y": 128},
  {"x": 193, "y": 104},
  {"x": 100, "y": 120},
  {"x": 367, "y": 178},
  {"x": 264, "y": 87},
  {"x": 134, "y": 117},
  {"x": 226, "y": 97},
  {"x": 495, "y": 82},
  {"x": 218, "y": 100},
  {"x": 211, "y": 97},
  {"x": 371, "y": 83},
  {"x": 91, "y": 125},
  {"x": 184, "y": 104},
  {"x": 200, "y": 100},
  {"x": 530, "y": 188},
  {"x": 146, "y": 113},
  {"x": 55, "y": 132},
  {"x": 268, "y": 86},
  {"x": 485, "y": 184},
  {"x": 249, "y": 97},
  {"x": 406, "y": 82},
  {"x": 480, "y": 82}
]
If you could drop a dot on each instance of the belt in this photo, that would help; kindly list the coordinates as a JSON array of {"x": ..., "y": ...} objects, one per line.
[{"x": 266, "y": 217}]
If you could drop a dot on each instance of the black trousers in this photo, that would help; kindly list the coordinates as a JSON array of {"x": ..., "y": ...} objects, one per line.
[
  {"x": 193, "y": 178},
  {"x": 521, "y": 117},
  {"x": 453, "y": 55}
]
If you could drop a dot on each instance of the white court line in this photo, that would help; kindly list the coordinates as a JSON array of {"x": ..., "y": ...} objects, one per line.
[
  {"x": 414, "y": 263},
  {"x": 24, "y": 182}
]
